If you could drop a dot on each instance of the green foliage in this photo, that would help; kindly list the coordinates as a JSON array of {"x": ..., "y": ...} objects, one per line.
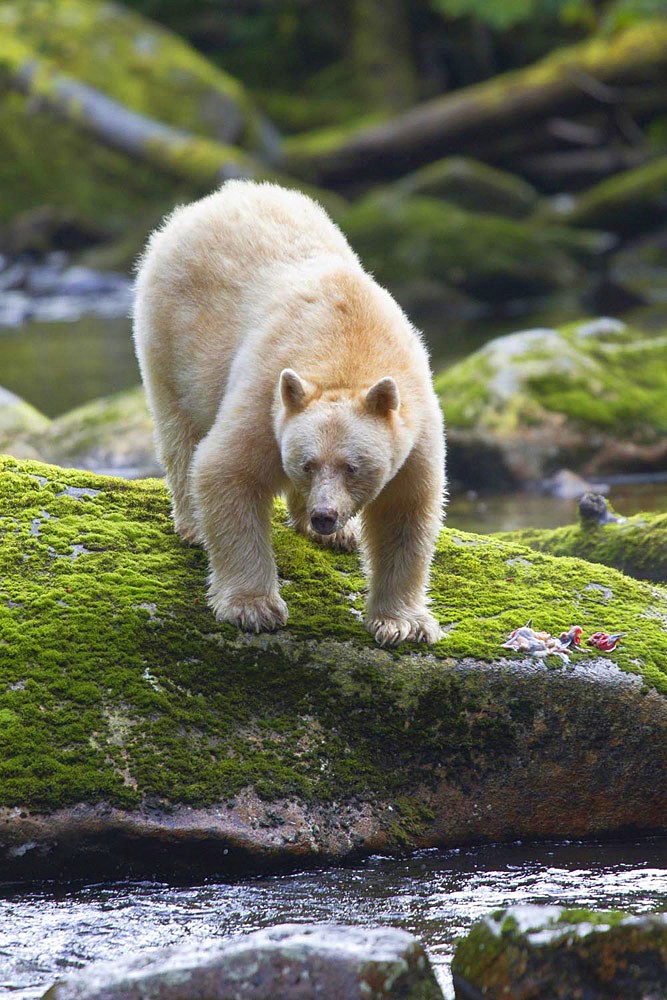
[{"x": 509, "y": 13}]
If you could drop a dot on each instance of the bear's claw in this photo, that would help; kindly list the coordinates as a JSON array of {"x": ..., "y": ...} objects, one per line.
[
  {"x": 390, "y": 631},
  {"x": 252, "y": 614}
]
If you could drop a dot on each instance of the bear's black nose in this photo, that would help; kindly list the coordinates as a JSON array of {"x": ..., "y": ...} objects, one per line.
[{"x": 324, "y": 521}]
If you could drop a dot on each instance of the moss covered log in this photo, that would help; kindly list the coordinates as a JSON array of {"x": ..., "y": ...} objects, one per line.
[
  {"x": 635, "y": 545},
  {"x": 547, "y": 951},
  {"x": 478, "y": 118},
  {"x": 129, "y": 712}
]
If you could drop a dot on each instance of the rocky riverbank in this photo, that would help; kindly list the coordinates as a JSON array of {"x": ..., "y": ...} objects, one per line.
[{"x": 139, "y": 732}]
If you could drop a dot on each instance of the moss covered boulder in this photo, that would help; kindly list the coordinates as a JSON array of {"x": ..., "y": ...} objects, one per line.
[
  {"x": 54, "y": 48},
  {"x": 113, "y": 434},
  {"x": 140, "y": 734},
  {"x": 20, "y": 425},
  {"x": 472, "y": 185},
  {"x": 547, "y": 951},
  {"x": 629, "y": 203},
  {"x": 410, "y": 239},
  {"x": 591, "y": 397}
]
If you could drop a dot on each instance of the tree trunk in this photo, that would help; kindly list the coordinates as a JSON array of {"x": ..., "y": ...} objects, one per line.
[{"x": 381, "y": 52}]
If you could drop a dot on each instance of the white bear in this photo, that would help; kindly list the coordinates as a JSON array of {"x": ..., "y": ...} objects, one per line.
[{"x": 273, "y": 363}]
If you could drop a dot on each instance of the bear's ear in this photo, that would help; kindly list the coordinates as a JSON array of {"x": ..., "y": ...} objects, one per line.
[
  {"x": 383, "y": 397},
  {"x": 293, "y": 390}
]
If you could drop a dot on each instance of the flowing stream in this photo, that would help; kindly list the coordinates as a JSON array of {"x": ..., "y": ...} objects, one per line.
[{"x": 48, "y": 931}]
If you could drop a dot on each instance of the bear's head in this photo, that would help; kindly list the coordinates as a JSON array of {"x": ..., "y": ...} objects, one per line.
[{"x": 338, "y": 447}]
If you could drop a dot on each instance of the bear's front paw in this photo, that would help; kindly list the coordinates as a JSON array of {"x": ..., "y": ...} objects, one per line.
[
  {"x": 252, "y": 614},
  {"x": 189, "y": 533},
  {"x": 390, "y": 630}
]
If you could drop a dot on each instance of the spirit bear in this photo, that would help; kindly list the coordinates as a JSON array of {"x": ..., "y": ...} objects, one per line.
[{"x": 273, "y": 363}]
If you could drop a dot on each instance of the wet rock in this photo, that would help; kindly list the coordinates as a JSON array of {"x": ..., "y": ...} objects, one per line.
[
  {"x": 472, "y": 185},
  {"x": 20, "y": 426},
  {"x": 113, "y": 435},
  {"x": 146, "y": 737},
  {"x": 589, "y": 396},
  {"x": 546, "y": 951},
  {"x": 290, "y": 961},
  {"x": 595, "y": 509}
]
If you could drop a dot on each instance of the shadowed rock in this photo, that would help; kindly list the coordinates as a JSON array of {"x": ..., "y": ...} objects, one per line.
[
  {"x": 295, "y": 961},
  {"x": 545, "y": 951}
]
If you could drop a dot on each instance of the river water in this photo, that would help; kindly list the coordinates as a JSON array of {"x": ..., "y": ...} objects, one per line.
[{"x": 47, "y": 931}]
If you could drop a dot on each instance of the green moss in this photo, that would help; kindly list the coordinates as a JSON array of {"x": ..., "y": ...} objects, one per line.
[
  {"x": 531, "y": 951},
  {"x": 417, "y": 237},
  {"x": 628, "y": 203},
  {"x": 636, "y": 545},
  {"x": 136, "y": 62},
  {"x": 601, "y": 375},
  {"x": 471, "y": 185},
  {"x": 117, "y": 684}
]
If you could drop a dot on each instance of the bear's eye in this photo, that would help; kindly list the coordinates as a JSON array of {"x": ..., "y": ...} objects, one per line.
[
  {"x": 307, "y": 467},
  {"x": 350, "y": 470}
]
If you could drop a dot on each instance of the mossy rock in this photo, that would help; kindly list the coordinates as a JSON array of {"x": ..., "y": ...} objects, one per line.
[
  {"x": 404, "y": 239},
  {"x": 472, "y": 185},
  {"x": 139, "y": 63},
  {"x": 113, "y": 434},
  {"x": 147, "y": 70},
  {"x": 590, "y": 396},
  {"x": 635, "y": 545},
  {"x": 629, "y": 203},
  {"x": 548, "y": 951},
  {"x": 19, "y": 422},
  {"x": 140, "y": 734}
]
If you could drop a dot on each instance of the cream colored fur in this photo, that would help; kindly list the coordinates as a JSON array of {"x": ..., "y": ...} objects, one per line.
[{"x": 232, "y": 291}]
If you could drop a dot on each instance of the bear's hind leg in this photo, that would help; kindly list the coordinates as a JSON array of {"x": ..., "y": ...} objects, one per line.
[
  {"x": 345, "y": 540},
  {"x": 176, "y": 443}
]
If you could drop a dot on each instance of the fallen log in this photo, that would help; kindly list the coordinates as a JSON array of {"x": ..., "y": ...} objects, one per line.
[{"x": 470, "y": 121}]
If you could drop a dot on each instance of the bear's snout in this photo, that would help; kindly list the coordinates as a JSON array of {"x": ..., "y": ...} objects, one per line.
[{"x": 324, "y": 520}]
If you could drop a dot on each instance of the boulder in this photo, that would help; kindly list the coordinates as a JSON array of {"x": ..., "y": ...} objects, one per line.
[
  {"x": 113, "y": 435},
  {"x": 590, "y": 396},
  {"x": 547, "y": 951},
  {"x": 629, "y": 203},
  {"x": 472, "y": 185},
  {"x": 410, "y": 239},
  {"x": 137, "y": 120},
  {"x": 635, "y": 545},
  {"x": 141, "y": 736},
  {"x": 290, "y": 961},
  {"x": 21, "y": 425}
]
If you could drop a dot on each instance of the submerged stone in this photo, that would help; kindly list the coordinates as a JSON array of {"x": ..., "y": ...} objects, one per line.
[
  {"x": 290, "y": 961},
  {"x": 140, "y": 735},
  {"x": 546, "y": 951},
  {"x": 589, "y": 396}
]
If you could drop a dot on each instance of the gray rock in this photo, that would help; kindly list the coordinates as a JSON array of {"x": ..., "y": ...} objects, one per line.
[
  {"x": 545, "y": 951},
  {"x": 295, "y": 961}
]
